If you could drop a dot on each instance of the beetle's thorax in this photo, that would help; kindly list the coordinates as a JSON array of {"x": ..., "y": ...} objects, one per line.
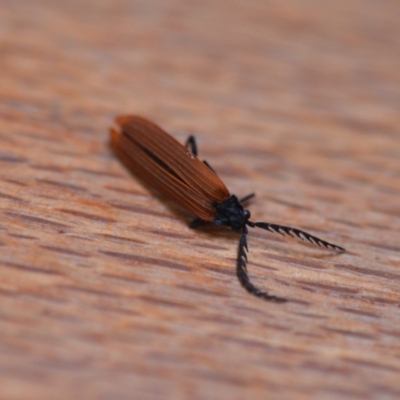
[{"x": 231, "y": 213}]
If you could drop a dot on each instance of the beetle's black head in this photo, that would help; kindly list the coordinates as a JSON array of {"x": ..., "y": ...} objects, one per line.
[{"x": 231, "y": 213}]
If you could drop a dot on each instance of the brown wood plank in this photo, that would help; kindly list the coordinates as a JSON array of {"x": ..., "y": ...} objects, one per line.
[{"x": 104, "y": 290}]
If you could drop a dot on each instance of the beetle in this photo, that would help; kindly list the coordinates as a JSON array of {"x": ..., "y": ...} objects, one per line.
[{"x": 176, "y": 171}]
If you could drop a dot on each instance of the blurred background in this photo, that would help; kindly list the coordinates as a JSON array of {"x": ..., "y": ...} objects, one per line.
[{"x": 104, "y": 290}]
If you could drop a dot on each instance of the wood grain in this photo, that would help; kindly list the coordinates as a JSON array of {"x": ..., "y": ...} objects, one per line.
[{"x": 104, "y": 290}]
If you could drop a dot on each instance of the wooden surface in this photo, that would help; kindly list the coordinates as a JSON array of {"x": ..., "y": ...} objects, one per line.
[{"x": 105, "y": 293}]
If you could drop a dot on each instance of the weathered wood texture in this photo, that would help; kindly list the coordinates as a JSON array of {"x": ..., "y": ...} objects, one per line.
[{"x": 104, "y": 290}]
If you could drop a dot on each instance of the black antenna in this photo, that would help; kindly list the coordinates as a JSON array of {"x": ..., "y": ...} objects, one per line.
[
  {"x": 242, "y": 275},
  {"x": 274, "y": 228}
]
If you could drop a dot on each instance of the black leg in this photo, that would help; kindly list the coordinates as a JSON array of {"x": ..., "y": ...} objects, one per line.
[
  {"x": 197, "y": 222},
  {"x": 209, "y": 166},
  {"x": 246, "y": 198},
  {"x": 241, "y": 272},
  {"x": 191, "y": 144}
]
